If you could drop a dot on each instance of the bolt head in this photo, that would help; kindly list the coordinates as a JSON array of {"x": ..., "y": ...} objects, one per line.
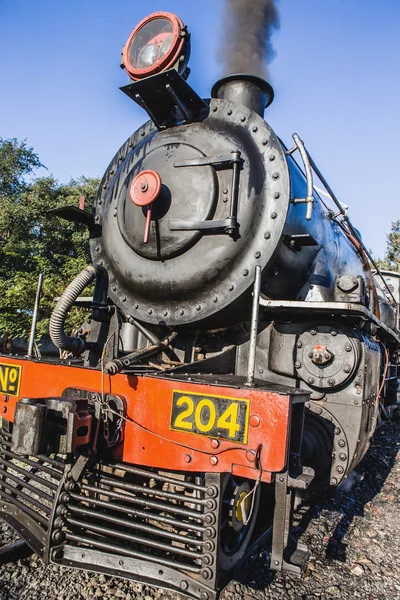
[
  {"x": 297, "y": 364},
  {"x": 214, "y": 460},
  {"x": 254, "y": 420},
  {"x": 214, "y": 444},
  {"x": 251, "y": 455},
  {"x": 188, "y": 458}
]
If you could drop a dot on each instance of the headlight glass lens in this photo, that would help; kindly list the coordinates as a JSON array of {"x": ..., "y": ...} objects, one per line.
[
  {"x": 147, "y": 56},
  {"x": 166, "y": 45},
  {"x": 151, "y": 43}
]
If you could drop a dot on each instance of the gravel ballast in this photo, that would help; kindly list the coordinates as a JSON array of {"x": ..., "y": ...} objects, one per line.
[{"x": 353, "y": 540}]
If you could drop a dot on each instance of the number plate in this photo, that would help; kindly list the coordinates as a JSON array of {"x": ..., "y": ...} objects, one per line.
[
  {"x": 10, "y": 379},
  {"x": 213, "y": 416}
]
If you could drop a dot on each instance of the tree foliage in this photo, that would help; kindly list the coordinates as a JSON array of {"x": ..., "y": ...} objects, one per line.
[
  {"x": 33, "y": 242},
  {"x": 391, "y": 261}
]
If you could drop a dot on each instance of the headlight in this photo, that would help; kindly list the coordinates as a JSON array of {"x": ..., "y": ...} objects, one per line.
[{"x": 158, "y": 43}]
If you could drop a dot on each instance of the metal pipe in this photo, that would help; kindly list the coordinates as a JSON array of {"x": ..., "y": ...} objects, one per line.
[
  {"x": 145, "y": 502},
  {"x": 133, "y": 538},
  {"x": 29, "y": 474},
  {"x": 254, "y": 328},
  {"x": 15, "y": 502},
  {"x": 147, "y": 334},
  {"x": 87, "y": 512},
  {"x": 150, "y": 491},
  {"x": 27, "y": 498},
  {"x": 22, "y": 482},
  {"x": 157, "y": 476},
  {"x": 48, "y": 470},
  {"x": 139, "y": 513},
  {"x": 235, "y": 190},
  {"x": 309, "y": 200},
  {"x": 349, "y": 223},
  {"x": 118, "y": 364},
  {"x": 114, "y": 548},
  {"x": 56, "y": 463},
  {"x": 35, "y": 316}
]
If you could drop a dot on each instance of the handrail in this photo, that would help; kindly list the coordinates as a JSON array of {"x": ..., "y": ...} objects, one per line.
[
  {"x": 309, "y": 164},
  {"x": 309, "y": 200}
]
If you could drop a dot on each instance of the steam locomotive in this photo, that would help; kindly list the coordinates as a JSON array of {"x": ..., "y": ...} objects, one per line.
[{"x": 238, "y": 356}]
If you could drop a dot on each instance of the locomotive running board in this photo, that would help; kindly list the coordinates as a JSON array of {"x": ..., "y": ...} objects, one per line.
[{"x": 327, "y": 308}]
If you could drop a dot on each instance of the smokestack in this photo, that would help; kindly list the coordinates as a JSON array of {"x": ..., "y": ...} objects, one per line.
[
  {"x": 245, "y": 50},
  {"x": 247, "y": 90}
]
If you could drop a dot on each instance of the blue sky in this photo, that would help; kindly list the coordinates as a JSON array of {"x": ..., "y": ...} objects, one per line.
[{"x": 335, "y": 74}]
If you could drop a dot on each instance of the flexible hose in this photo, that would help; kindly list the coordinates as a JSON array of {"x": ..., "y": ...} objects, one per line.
[{"x": 76, "y": 345}]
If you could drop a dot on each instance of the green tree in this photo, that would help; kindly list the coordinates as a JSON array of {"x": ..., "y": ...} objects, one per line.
[
  {"x": 391, "y": 260},
  {"x": 16, "y": 161},
  {"x": 33, "y": 242}
]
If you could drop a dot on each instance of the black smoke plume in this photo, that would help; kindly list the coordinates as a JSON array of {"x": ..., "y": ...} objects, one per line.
[{"x": 246, "y": 41}]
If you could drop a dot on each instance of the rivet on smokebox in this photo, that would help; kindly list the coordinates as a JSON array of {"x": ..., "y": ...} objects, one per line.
[
  {"x": 254, "y": 421},
  {"x": 251, "y": 455},
  {"x": 214, "y": 444},
  {"x": 214, "y": 460}
]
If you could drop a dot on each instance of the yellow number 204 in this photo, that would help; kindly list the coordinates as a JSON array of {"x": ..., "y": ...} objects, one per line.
[{"x": 201, "y": 416}]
